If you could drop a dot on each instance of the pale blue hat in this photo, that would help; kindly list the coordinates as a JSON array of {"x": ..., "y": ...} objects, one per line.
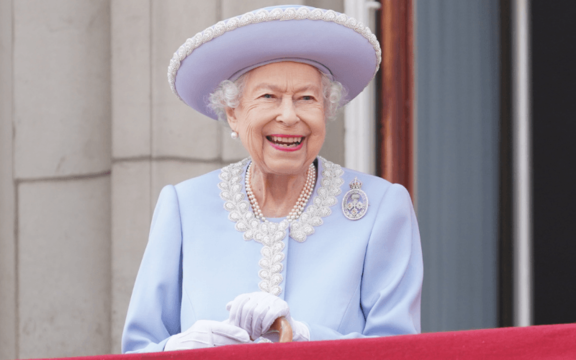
[{"x": 336, "y": 44}]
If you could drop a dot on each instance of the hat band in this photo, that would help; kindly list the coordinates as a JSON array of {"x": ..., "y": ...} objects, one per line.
[{"x": 323, "y": 69}]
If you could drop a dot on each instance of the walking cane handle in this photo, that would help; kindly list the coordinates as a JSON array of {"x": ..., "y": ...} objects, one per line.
[{"x": 284, "y": 329}]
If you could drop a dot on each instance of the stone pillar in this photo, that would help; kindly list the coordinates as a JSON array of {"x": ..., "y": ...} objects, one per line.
[
  {"x": 61, "y": 160},
  {"x": 157, "y": 139},
  {"x": 131, "y": 134},
  {"x": 7, "y": 192},
  {"x": 184, "y": 143}
]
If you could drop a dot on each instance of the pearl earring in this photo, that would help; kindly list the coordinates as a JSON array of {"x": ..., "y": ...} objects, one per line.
[{"x": 234, "y": 135}]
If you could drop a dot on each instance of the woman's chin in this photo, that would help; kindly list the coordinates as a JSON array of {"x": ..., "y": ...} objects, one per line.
[
  {"x": 286, "y": 164},
  {"x": 280, "y": 167}
]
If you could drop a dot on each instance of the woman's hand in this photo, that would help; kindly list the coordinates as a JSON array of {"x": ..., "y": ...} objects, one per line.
[
  {"x": 255, "y": 312},
  {"x": 207, "y": 333}
]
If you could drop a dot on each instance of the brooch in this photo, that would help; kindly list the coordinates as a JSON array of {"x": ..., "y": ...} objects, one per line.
[{"x": 355, "y": 201}]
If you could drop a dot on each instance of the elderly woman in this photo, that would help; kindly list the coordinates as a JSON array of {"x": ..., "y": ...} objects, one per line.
[{"x": 284, "y": 232}]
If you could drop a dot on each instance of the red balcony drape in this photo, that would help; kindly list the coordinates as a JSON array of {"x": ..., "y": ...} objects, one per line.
[{"x": 535, "y": 342}]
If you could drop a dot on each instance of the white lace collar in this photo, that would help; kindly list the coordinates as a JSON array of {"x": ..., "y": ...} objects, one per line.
[{"x": 271, "y": 234}]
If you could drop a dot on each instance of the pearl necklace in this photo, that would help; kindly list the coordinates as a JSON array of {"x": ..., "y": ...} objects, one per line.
[{"x": 298, "y": 209}]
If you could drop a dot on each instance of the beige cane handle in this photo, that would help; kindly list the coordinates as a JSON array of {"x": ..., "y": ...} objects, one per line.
[{"x": 284, "y": 329}]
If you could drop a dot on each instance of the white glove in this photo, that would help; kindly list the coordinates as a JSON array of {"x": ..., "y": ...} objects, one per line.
[
  {"x": 255, "y": 313},
  {"x": 207, "y": 333}
]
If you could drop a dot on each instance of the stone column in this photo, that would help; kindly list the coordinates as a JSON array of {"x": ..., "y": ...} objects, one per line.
[
  {"x": 131, "y": 134},
  {"x": 7, "y": 192},
  {"x": 184, "y": 142},
  {"x": 157, "y": 139},
  {"x": 61, "y": 155}
]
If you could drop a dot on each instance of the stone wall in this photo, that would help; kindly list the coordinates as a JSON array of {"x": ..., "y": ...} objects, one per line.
[{"x": 89, "y": 134}]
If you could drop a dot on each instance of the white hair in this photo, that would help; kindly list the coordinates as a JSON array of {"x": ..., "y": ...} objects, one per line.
[{"x": 228, "y": 95}]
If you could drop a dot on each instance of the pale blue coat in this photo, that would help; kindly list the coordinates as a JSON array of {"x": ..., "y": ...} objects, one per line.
[{"x": 348, "y": 279}]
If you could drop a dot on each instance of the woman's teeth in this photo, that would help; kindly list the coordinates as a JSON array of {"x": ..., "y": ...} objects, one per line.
[{"x": 285, "y": 141}]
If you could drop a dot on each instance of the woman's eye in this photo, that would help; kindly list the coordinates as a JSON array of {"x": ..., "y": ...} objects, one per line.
[
  {"x": 267, "y": 96},
  {"x": 307, "y": 97}
]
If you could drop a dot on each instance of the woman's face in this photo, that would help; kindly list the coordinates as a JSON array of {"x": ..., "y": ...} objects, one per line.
[{"x": 280, "y": 119}]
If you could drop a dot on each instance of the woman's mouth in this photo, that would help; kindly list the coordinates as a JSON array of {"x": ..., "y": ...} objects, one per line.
[{"x": 286, "y": 142}]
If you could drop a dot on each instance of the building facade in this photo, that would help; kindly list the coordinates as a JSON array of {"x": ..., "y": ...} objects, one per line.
[{"x": 90, "y": 132}]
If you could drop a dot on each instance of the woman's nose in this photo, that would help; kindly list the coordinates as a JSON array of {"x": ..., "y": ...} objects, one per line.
[{"x": 287, "y": 113}]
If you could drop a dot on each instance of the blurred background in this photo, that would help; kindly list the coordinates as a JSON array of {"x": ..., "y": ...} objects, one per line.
[{"x": 472, "y": 110}]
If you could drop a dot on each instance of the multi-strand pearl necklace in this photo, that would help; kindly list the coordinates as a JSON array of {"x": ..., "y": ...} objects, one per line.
[{"x": 298, "y": 209}]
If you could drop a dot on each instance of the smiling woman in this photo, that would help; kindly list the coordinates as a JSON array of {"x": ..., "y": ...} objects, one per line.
[
  {"x": 232, "y": 251},
  {"x": 281, "y": 122},
  {"x": 282, "y": 100}
]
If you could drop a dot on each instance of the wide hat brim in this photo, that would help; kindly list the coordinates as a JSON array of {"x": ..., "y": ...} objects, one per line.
[{"x": 336, "y": 44}]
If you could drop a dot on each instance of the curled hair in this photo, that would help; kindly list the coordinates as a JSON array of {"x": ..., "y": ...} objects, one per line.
[
  {"x": 334, "y": 93},
  {"x": 229, "y": 93}
]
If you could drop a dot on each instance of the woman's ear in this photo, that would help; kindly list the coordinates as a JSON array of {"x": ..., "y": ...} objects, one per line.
[{"x": 231, "y": 118}]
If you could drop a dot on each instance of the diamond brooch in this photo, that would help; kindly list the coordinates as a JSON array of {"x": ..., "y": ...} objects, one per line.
[{"x": 355, "y": 201}]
